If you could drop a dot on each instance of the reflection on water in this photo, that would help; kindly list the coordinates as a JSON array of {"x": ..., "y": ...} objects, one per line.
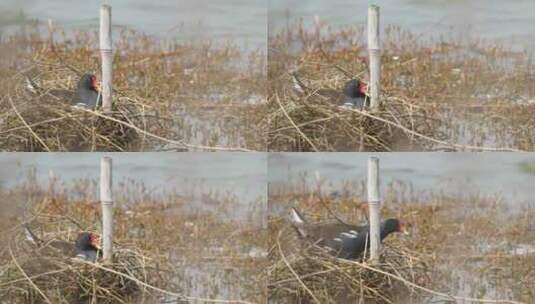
[
  {"x": 243, "y": 175},
  {"x": 186, "y": 20},
  {"x": 509, "y": 21},
  {"x": 454, "y": 173}
]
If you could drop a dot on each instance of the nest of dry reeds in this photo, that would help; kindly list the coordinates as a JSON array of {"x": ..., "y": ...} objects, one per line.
[
  {"x": 42, "y": 274},
  {"x": 31, "y": 277},
  {"x": 435, "y": 95},
  {"x": 311, "y": 275},
  {"x": 34, "y": 122},
  {"x": 307, "y": 123},
  {"x": 167, "y": 96}
]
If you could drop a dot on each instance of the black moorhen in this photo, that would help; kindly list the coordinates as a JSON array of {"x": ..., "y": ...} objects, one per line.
[
  {"x": 86, "y": 246},
  {"x": 354, "y": 93},
  {"x": 342, "y": 240},
  {"x": 86, "y": 95}
]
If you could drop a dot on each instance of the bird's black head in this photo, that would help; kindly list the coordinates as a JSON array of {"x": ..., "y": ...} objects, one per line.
[
  {"x": 88, "y": 82},
  {"x": 355, "y": 89},
  {"x": 392, "y": 225},
  {"x": 87, "y": 241}
]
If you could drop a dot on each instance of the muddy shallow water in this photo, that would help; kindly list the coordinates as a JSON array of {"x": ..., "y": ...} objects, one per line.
[
  {"x": 242, "y": 174},
  {"x": 242, "y": 21},
  {"x": 507, "y": 21},
  {"x": 456, "y": 173}
]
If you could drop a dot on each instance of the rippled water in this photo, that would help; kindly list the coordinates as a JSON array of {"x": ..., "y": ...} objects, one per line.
[
  {"x": 245, "y": 174},
  {"x": 245, "y": 20},
  {"x": 242, "y": 174},
  {"x": 242, "y": 21},
  {"x": 509, "y": 175},
  {"x": 509, "y": 21}
]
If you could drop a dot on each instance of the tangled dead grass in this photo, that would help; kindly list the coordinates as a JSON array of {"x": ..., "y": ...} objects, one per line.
[
  {"x": 472, "y": 249},
  {"x": 312, "y": 275},
  {"x": 166, "y": 96},
  {"x": 42, "y": 274},
  {"x": 54, "y": 278},
  {"x": 158, "y": 247},
  {"x": 445, "y": 95},
  {"x": 35, "y": 123},
  {"x": 303, "y": 272}
]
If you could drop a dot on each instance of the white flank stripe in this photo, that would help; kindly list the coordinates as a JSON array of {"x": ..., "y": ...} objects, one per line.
[{"x": 349, "y": 235}]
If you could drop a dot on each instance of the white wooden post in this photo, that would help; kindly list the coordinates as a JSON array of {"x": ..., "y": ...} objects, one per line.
[
  {"x": 373, "y": 207},
  {"x": 51, "y": 33},
  {"x": 317, "y": 27},
  {"x": 106, "y": 54},
  {"x": 106, "y": 200},
  {"x": 374, "y": 50}
]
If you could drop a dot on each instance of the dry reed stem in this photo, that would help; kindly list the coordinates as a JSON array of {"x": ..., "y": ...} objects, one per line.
[
  {"x": 170, "y": 141},
  {"x": 297, "y": 277},
  {"x": 26, "y": 276},
  {"x": 294, "y": 125},
  {"x": 428, "y": 138},
  {"x": 26, "y": 124},
  {"x": 181, "y": 296},
  {"x": 411, "y": 284}
]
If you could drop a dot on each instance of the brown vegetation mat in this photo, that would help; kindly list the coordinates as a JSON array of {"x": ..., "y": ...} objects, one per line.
[
  {"x": 444, "y": 95},
  {"x": 43, "y": 275},
  {"x": 167, "y": 96},
  {"x": 159, "y": 249},
  {"x": 463, "y": 249},
  {"x": 314, "y": 276}
]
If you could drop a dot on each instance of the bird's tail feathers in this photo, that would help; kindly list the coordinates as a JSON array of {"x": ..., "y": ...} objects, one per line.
[
  {"x": 298, "y": 221},
  {"x": 298, "y": 85},
  {"x": 31, "y": 85},
  {"x": 296, "y": 217},
  {"x": 30, "y": 236}
]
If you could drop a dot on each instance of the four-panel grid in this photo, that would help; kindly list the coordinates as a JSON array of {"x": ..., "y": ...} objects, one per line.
[{"x": 256, "y": 151}]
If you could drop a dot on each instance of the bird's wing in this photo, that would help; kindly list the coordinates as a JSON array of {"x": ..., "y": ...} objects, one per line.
[
  {"x": 88, "y": 255},
  {"x": 342, "y": 243},
  {"x": 62, "y": 95},
  {"x": 64, "y": 247},
  {"x": 353, "y": 243}
]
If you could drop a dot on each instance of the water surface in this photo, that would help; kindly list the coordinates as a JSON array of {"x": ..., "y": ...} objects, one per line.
[
  {"x": 243, "y": 21},
  {"x": 511, "y": 22},
  {"x": 509, "y": 175},
  {"x": 242, "y": 174}
]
